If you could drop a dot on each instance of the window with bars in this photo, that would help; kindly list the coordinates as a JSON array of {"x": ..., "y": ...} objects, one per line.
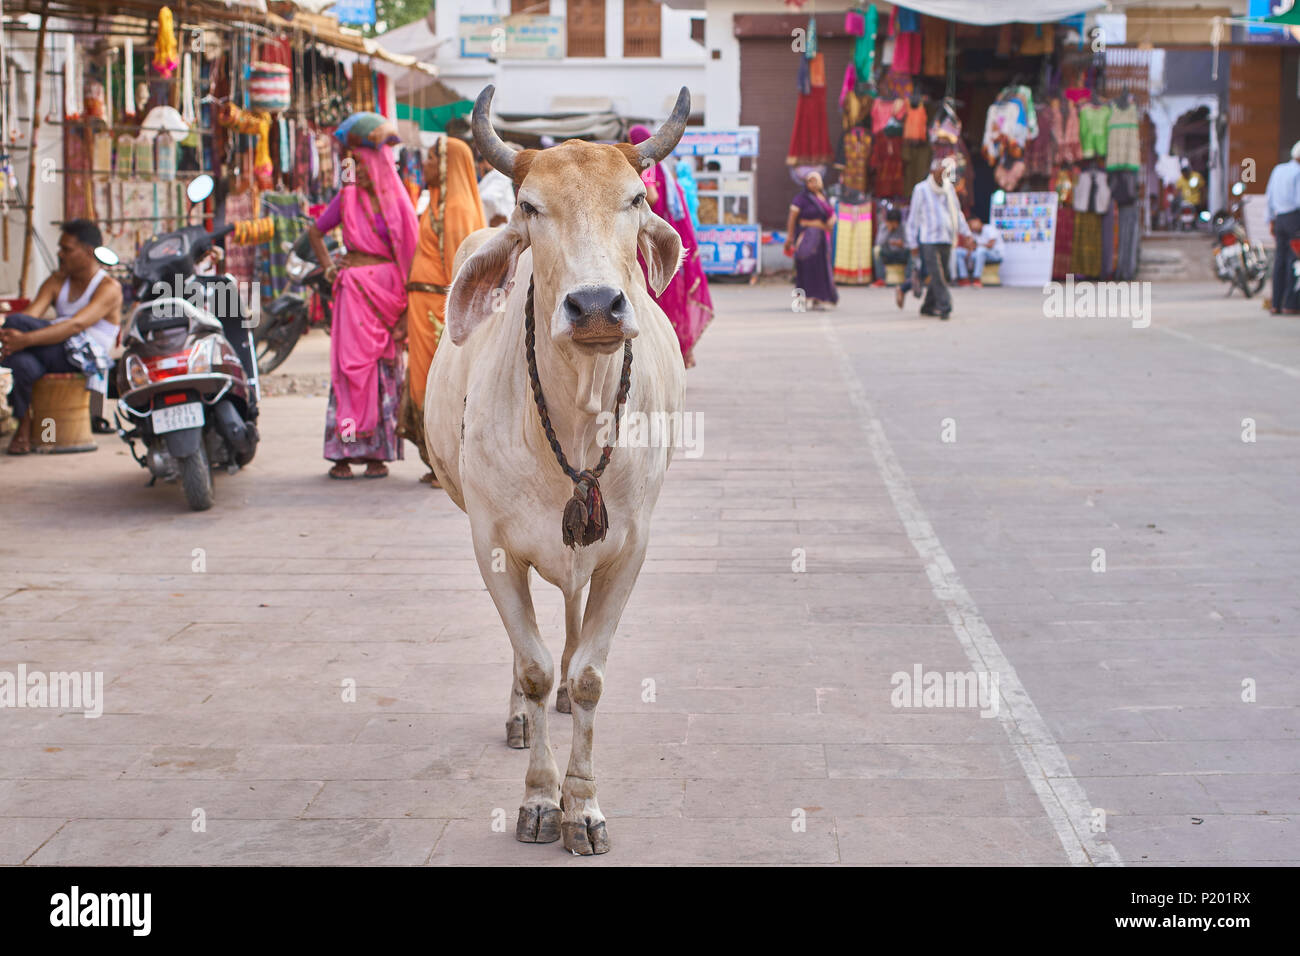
[
  {"x": 641, "y": 28},
  {"x": 586, "y": 27}
]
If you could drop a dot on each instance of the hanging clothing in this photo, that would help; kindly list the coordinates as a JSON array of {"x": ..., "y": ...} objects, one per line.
[
  {"x": 1064, "y": 242},
  {"x": 934, "y": 46},
  {"x": 883, "y": 110},
  {"x": 853, "y": 244},
  {"x": 1069, "y": 149},
  {"x": 916, "y": 164},
  {"x": 1040, "y": 152},
  {"x": 914, "y": 124},
  {"x": 887, "y": 164},
  {"x": 1085, "y": 259},
  {"x": 864, "y": 48},
  {"x": 1122, "y": 149},
  {"x": 857, "y": 149},
  {"x": 810, "y": 142},
  {"x": 1091, "y": 192},
  {"x": 286, "y": 212},
  {"x": 1093, "y": 122},
  {"x": 1126, "y": 267}
]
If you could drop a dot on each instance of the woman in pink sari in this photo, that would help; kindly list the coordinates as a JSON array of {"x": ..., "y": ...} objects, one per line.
[
  {"x": 686, "y": 301},
  {"x": 381, "y": 234}
]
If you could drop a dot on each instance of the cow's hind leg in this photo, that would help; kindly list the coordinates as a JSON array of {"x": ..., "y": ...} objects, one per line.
[
  {"x": 518, "y": 730},
  {"x": 584, "y": 825},
  {"x": 572, "y": 636},
  {"x": 539, "y": 816}
]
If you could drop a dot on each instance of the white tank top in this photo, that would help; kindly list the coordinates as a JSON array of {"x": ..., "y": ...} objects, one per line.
[{"x": 104, "y": 332}]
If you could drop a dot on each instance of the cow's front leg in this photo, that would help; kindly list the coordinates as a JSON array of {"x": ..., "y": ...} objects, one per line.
[
  {"x": 572, "y": 637},
  {"x": 584, "y": 825},
  {"x": 534, "y": 675}
]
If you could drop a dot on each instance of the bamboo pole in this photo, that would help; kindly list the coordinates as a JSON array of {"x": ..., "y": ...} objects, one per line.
[{"x": 31, "y": 156}]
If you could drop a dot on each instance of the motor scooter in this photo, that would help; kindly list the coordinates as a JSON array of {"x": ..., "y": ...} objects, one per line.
[
  {"x": 187, "y": 378},
  {"x": 1237, "y": 261},
  {"x": 290, "y": 315}
]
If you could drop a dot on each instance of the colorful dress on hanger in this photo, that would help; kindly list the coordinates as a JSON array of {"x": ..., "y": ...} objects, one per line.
[
  {"x": 857, "y": 150},
  {"x": 1093, "y": 122},
  {"x": 853, "y": 243},
  {"x": 1040, "y": 152},
  {"x": 1068, "y": 148},
  {"x": 810, "y": 141},
  {"x": 1122, "y": 148}
]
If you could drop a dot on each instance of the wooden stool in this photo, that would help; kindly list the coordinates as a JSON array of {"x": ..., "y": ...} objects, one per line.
[
  {"x": 992, "y": 274},
  {"x": 61, "y": 409},
  {"x": 894, "y": 273}
]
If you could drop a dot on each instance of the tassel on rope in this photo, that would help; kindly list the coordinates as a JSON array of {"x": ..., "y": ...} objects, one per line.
[{"x": 586, "y": 519}]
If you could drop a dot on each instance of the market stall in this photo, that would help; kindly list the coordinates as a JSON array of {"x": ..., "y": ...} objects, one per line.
[{"x": 110, "y": 108}]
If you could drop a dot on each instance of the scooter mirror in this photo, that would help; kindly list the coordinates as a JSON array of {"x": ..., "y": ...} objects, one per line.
[
  {"x": 1238, "y": 188},
  {"x": 106, "y": 256},
  {"x": 200, "y": 188},
  {"x": 1205, "y": 215}
]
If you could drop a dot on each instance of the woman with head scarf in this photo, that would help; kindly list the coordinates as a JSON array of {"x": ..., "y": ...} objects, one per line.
[
  {"x": 808, "y": 238},
  {"x": 369, "y": 326},
  {"x": 454, "y": 211},
  {"x": 686, "y": 300}
]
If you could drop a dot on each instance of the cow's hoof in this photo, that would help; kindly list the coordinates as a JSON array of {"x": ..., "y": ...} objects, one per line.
[
  {"x": 538, "y": 825},
  {"x": 586, "y": 839},
  {"x": 562, "y": 700},
  {"x": 518, "y": 734}
]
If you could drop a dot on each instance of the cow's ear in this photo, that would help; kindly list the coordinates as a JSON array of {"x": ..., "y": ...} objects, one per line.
[
  {"x": 661, "y": 248},
  {"x": 483, "y": 282}
]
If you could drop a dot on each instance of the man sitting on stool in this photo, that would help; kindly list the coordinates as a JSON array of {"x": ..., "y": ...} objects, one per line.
[
  {"x": 988, "y": 248},
  {"x": 891, "y": 247},
  {"x": 87, "y": 308}
]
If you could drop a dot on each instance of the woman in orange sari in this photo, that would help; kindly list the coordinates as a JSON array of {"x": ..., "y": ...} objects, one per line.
[{"x": 454, "y": 212}]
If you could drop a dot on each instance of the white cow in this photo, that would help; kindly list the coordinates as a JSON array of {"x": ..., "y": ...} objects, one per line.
[{"x": 580, "y": 219}]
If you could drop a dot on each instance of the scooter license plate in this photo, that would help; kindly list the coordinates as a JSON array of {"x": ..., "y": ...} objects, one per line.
[{"x": 171, "y": 418}]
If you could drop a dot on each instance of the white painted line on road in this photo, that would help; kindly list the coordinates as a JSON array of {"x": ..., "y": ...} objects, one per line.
[
  {"x": 1062, "y": 796},
  {"x": 1235, "y": 353}
]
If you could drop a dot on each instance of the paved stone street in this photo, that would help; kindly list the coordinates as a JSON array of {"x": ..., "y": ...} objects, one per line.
[{"x": 827, "y": 539}]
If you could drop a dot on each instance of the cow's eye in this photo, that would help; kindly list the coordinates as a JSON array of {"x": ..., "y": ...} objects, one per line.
[
  {"x": 638, "y": 199},
  {"x": 528, "y": 208}
]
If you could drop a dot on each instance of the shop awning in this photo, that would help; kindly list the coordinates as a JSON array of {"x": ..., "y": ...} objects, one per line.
[{"x": 993, "y": 12}]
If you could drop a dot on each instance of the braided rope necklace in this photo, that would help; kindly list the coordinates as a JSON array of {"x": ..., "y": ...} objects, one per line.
[{"x": 585, "y": 519}]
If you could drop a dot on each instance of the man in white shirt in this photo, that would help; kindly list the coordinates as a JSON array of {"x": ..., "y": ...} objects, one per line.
[
  {"x": 496, "y": 191},
  {"x": 934, "y": 221},
  {"x": 988, "y": 248}
]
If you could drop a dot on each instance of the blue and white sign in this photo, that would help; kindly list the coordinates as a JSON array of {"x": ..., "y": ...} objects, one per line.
[
  {"x": 729, "y": 250},
  {"x": 355, "y": 12}
]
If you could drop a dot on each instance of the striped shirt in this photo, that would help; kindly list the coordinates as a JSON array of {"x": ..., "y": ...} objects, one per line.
[{"x": 929, "y": 219}]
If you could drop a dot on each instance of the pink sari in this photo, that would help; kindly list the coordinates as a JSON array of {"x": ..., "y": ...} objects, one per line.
[
  {"x": 369, "y": 300},
  {"x": 686, "y": 300}
]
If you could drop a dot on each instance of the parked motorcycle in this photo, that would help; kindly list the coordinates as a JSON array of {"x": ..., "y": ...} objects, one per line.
[
  {"x": 188, "y": 377},
  {"x": 1237, "y": 261},
  {"x": 290, "y": 314}
]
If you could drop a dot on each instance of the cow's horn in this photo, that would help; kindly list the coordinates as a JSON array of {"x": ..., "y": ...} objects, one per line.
[
  {"x": 665, "y": 139},
  {"x": 489, "y": 144}
]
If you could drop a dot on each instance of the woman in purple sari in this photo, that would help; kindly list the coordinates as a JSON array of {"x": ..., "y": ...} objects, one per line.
[
  {"x": 686, "y": 301},
  {"x": 808, "y": 238}
]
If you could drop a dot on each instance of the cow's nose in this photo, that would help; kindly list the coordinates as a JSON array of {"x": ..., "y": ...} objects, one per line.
[{"x": 599, "y": 305}]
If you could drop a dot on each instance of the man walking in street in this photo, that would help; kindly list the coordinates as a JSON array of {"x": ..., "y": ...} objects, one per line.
[
  {"x": 934, "y": 221},
  {"x": 1284, "y": 222}
]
